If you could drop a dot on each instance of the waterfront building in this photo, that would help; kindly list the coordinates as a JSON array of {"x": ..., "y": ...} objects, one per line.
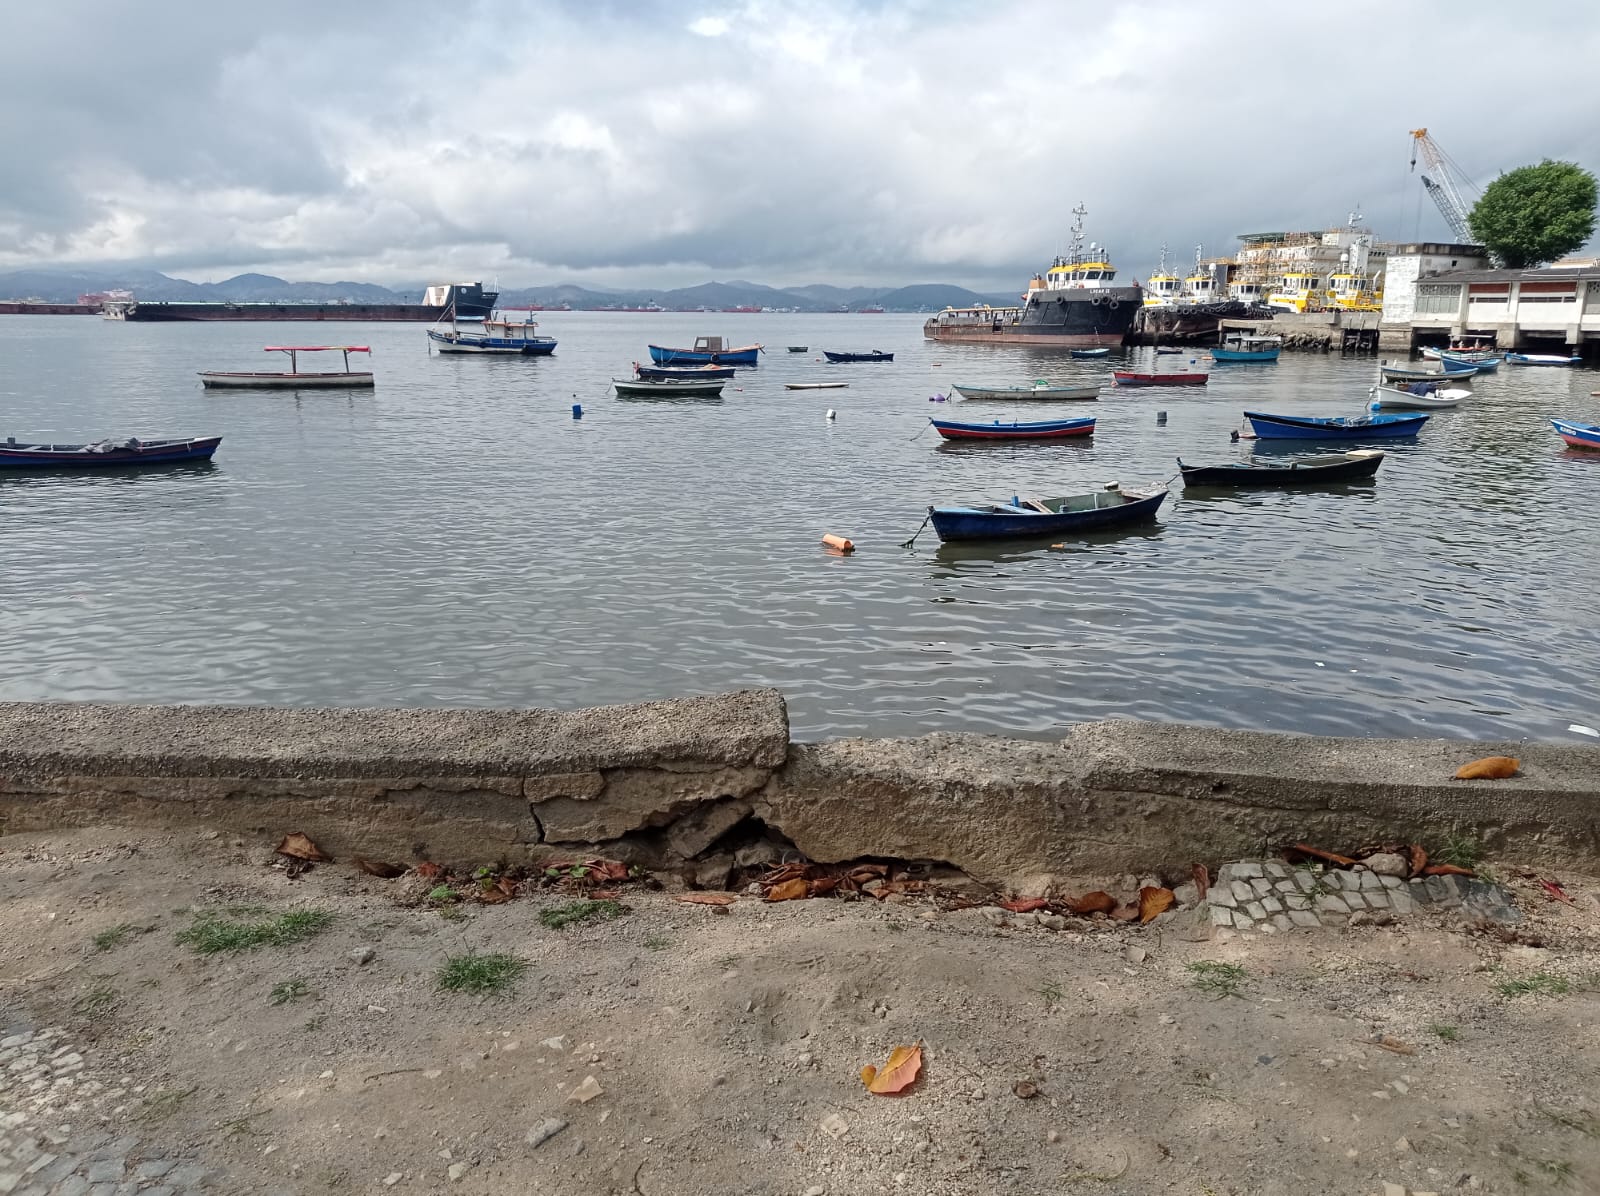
[{"x": 1546, "y": 310}]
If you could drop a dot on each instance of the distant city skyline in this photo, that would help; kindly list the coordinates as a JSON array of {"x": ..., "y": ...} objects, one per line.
[{"x": 626, "y": 146}]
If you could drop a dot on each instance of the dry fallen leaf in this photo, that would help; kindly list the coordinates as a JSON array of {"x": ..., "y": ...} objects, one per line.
[
  {"x": 1024, "y": 905},
  {"x": 493, "y": 896},
  {"x": 1093, "y": 903},
  {"x": 705, "y": 898},
  {"x": 1154, "y": 901},
  {"x": 1393, "y": 1045},
  {"x": 428, "y": 870},
  {"x": 1202, "y": 879},
  {"x": 897, "y": 1074},
  {"x": 378, "y": 867},
  {"x": 1327, "y": 857},
  {"x": 1490, "y": 768},
  {"x": 1554, "y": 890},
  {"x": 1419, "y": 859},
  {"x": 608, "y": 869},
  {"x": 789, "y": 890},
  {"x": 1025, "y": 1089},
  {"x": 299, "y": 846}
]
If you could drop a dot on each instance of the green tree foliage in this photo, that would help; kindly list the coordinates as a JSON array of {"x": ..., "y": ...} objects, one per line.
[{"x": 1535, "y": 214}]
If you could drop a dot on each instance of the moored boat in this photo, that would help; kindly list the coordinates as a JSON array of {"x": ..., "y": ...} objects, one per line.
[
  {"x": 1543, "y": 359},
  {"x": 1167, "y": 351},
  {"x": 1040, "y": 390},
  {"x": 874, "y": 355},
  {"x": 1248, "y": 348},
  {"x": 107, "y": 454},
  {"x": 1480, "y": 365},
  {"x": 1124, "y": 378},
  {"x": 708, "y": 350},
  {"x": 799, "y": 348},
  {"x": 1099, "y": 510},
  {"x": 1084, "y": 353},
  {"x": 1403, "y": 373},
  {"x": 1308, "y": 471},
  {"x": 506, "y": 337},
  {"x": 689, "y": 372},
  {"x": 815, "y": 385},
  {"x": 1042, "y": 429},
  {"x": 1417, "y": 396},
  {"x": 293, "y": 379},
  {"x": 667, "y": 387},
  {"x": 1584, "y": 436},
  {"x": 1337, "y": 427}
]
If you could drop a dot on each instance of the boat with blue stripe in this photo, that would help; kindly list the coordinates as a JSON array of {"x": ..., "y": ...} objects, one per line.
[
  {"x": 1038, "y": 429},
  {"x": 692, "y": 373},
  {"x": 503, "y": 336},
  {"x": 1543, "y": 359},
  {"x": 1248, "y": 348},
  {"x": 107, "y": 454},
  {"x": 1585, "y": 436},
  {"x": 1099, "y": 510},
  {"x": 1335, "y": 427},
  {"x": 708, "y": 350}
]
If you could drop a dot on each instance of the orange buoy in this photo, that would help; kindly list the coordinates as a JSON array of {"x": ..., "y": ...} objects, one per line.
[{"x": 839, "y": 542}]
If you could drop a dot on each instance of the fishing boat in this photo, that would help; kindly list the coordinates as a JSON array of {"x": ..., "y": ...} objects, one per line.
[
  {"x": 1308, "y": 471},
  {"x": 1099, "y": 510},
  {"x": 106, "y": 454},
  {"x": 503, "y": 336},
  {"x": 1102, "y": 352},
  {"x": 1586, "y": 436},
  {"x": 708, "y": 350},
  {"x": 1542, "y": 359},
  {"x": 1476, "y": 357},
  {"x": 1480, "y": 365},
  {"x": 1402, "y": 373},
  {"x": 1470, "y": 349},
  {"x": 1417, "y": 396},
  {"x": 1248, "y": 348},
  {"x": 689, "y": 372},
  {"x": 1166, "y": 351},
  {"x": 799, "y": 348},
  {"x": 1042, "y": 429},
  {"x": 874, "y": 355},
  {"x": 667, "y": 387},
  {"x": 1040, "y": 390},
  {"x": 1181, "y": 379},
  {"x": 294, "y": 379},
  {"x": 1336, "y": 427},
  {"x": 815, "y": 385}
]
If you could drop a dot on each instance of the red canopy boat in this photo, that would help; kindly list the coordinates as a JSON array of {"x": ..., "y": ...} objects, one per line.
[{"x": 1127, "y": 379}]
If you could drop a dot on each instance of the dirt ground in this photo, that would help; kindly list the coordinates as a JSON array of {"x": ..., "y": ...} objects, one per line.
[{"x": 727, "y": 1047}]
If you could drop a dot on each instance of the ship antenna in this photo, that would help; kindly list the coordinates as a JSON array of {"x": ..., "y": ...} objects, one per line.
[{"x": 1077, "y": 229}]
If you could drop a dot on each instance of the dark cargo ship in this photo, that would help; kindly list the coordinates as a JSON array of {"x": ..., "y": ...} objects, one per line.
[
  {"x": 1075, "y": 304},
  {"x": 468, "y": 300}
]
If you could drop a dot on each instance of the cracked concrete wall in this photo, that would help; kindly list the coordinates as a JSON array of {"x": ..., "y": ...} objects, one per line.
[{"x": 661, "y": 781}]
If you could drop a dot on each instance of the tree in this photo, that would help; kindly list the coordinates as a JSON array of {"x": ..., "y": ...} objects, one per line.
[{"x": 1535, "y": 214}]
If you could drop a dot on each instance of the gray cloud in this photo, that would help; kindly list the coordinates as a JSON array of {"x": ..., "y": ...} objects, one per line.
[{"x": 893, "y": 141}]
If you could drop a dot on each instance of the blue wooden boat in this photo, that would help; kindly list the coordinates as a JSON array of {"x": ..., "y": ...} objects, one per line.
[
  {"x": 1481, "y": 365},
  {"x": 1542, "y": 359},
  {"x": 1090, "y": 352},
  {"x": 691, "y": 373},
  {"x": 1336, "y": 427},
  {"x": 1404, "y": 373},
  {"x": 1039, "y": 429},
  {"x": 1249, "y": 348},
  {"x": 1586, "y": 436},
  {"x": 708, "y": 350},
  {"x": 875, "y": 355},
  {"x": 1099, "y": 510},
  {"x": 106, "y": 454}
]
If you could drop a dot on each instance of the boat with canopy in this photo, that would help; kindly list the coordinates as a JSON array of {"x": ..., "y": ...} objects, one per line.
[{"x": 293, "y": 379}]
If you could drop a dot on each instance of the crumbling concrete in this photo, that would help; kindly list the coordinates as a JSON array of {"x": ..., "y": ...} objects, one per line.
[{"x": 686, "y": 780}]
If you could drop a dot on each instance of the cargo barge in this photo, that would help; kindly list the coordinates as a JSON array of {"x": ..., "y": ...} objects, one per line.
[{"x": 464, "y": 300}]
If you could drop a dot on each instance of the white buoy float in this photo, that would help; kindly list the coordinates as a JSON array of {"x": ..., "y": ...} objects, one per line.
[{"x": 830, "y": 412}]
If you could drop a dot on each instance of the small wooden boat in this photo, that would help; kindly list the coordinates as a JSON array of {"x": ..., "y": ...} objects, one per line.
[
  {"x": 875, "y": 355},
  {"x": 657, "y": 388},
  {"x": 106, "y": 454},
  {"x": 1542, "y": 359},
  {"x": 1586, "y": 436},
  {"x": 504, "y": 337},
  {"x": 293, "y": 379},
  {"x": 1040, "y": 429},
  {"x": 1040, "y": 390},
  {"x": 1476, "y": 349},
  {"x": 689, "y": 372},
  {"x": 815, "y": 385},
  {"x": 1337, "y": 427},
  {"x": 1129, "y": 379},
  {"x": 1480, "y": 365},
  {"x": 1248, "y": 348},
  {"x": 1404, "y": 373},
  {"x": 1084, "y": 353},
  {"x": 1167, "y": 351},
  {"x": 1099, "y": 510},
  {"x": 1485, "y": 359},
  {"x": 1308, "y": 471},
  {"x": 799, "y": 348},
  {"x": 708, "y": 350},
  {"x": 1417, "y": 396}
]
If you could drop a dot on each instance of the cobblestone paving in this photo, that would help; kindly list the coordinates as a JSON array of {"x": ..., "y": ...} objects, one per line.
[
  {"x": 1270, "y": 896},
  {"x": 55, "y": 1139}
]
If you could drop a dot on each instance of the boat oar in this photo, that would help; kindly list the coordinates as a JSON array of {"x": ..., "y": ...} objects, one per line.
[{"x": 909, "y": 543}]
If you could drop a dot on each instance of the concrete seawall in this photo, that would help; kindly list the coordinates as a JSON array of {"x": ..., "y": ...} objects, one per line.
[{"x": 684, "y": 783}]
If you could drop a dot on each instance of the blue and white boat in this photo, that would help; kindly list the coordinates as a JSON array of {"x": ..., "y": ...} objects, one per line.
[
  {"x": 1403, "y": 373},
  {"x": 1099, "y": 510},
  {"x": 1482, "y": 365},
  {"x": 1249, "y": 348},
  {"x": 1543, "y": 359},
  {"x": 504, "y": 336},
  {"x": 1585, "y": 436},
  {"x": 1336, "y": 427},
  {"x": 689, "y": 372},
  {"x": 708, "y": 350}
]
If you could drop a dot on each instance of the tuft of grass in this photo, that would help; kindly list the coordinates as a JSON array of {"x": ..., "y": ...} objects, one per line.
[
  {"x": 1584, "y": 1123},
  {"x": 1461, "y": 850},
  {"x": 212, "y": 934},
  {"x": 1444, "y": 1033},
  {"x": 114, "y": 937},
  {"x": 287, "y": 991},
  {"x": 558, "y": 916},
  {"x": 658, "y": 942},
  {"x": 96, "y": 1003},
  {"x": 483, "y": 974},
  {"x": 1052, "y": 993},
  {"x": 443, "y": 895},
  {"x": 1218, "y": 979},
  {"x": 1540, "y": 984},
  {"x": 315, "y": 1023}
]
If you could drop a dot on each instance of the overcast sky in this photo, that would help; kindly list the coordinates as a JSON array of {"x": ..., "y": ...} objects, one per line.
[{"x": 878, "y": 141}]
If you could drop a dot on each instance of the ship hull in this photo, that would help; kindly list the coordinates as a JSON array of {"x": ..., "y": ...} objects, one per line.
[
  {"x": 1076, "y": 319},
  {"x": 356, "y": 312}
]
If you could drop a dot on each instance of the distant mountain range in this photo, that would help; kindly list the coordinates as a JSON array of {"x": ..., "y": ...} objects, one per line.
[{"x": 64, "y": 286}]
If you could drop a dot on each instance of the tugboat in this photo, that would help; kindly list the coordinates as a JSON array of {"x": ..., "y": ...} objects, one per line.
[
  {"x": 1163, "y": 287},
  {"x": 1075, "y": 304}
]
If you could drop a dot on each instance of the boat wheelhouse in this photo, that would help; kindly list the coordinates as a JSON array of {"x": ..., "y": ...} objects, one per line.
[{"x": 1163, "y": 288}]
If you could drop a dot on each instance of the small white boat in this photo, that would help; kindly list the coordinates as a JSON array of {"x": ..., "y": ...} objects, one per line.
[
  {"x": 503, "y": 336},
  {"x": 1404, "y": 398},
  {"x": 815, "y": 385},
  {"x": 1040, "y": 390},
  {"x": 294, "y": 379},
  {"x": 1542, "y": 359}
]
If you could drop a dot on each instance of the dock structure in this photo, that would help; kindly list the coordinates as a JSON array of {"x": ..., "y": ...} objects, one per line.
[{"x": 1315, "y": 332}]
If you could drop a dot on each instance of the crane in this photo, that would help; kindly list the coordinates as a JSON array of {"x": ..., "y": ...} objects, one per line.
[{"x": 1442, "y": 188}]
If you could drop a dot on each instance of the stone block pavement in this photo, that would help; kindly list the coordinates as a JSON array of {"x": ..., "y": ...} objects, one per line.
[
  {"x": 54, "y": 1140},
  {"x": 1270, "y": 896}
]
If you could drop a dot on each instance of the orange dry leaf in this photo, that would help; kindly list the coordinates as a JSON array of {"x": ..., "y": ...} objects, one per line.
[
  {"x": 1153, "y": 901},
  {"x": 1419, "y": 859},
  {"x": 378, "y": 867},
  {"x": 705, "y": 898},
  {"x": 789, "y": 890},
  {"x": 1327, "y": 857},
  {"x": 493, "y": 896},
  {"x": 1093, "y": 903},
  {"x": 428, "y": 870},
  {"x": 822, "y": 886},
  {"x": 1392, "y": 1045},
  {"x": 905, "y": 1062},
  {"x": 607, "y": 869},
  {"x": 1024, "y": 905},
  {"x": 1202, "y": 879},
  {"x": 300, "y": 847},
  {"x": 1490, "y": 768}
]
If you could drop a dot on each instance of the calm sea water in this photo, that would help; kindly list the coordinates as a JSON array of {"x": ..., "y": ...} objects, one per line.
[{"x": 456, "y": 538}]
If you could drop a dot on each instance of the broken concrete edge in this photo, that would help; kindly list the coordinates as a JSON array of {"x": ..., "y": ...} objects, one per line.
[{"x": 692, "y": 782}]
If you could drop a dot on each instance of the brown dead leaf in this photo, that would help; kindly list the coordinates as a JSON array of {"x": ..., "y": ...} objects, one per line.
[
  {"x": 1447, "y": 870},
  {"x": 1392, "y": 1045},
  {"x": 493, "y": 896},
  {"x": 1126, "y": 913},
  {"x": 705, "y": 898},
  {"x": 862, "y": 873},
  {"x": 1024, "y": 905},
  {"x": 822, "y": 886},
  {"x": 300, "y": 847},
  {"x": 790, "y": 890},
  {"x": 1202, "y": 879},
  {"x": 1025, "y": 1089},
  {"x": 607, "y": 869},
  {"x": 1327, "y": 857},
  {"x": 1490, "y": 768},
  {"x": 1153, "y": 901},
  {"x": 507, "y": 886},
  {"x": 606, "y": 894},
  {"x": 1093, "y": 903},
  {"x": 428, "y": 870},
  {"x": 905, "y": 1062},
  {"x": 1419, "y": 858},
  {"x": 378, "y": 867}
]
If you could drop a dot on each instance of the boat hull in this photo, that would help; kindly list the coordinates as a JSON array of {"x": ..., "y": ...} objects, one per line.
[
  {"x": 1036, "y": 394},
  {"x": 1379, "y": 427},
  {"x": 1244, "y": 354},
  {"x": 1391, "y": 399},
  {"x": 1081, "y": 319},
  {"x": 1091, "y": 353},
  {"x": 473, "y": 342},
  {"x": 667, "y": 389},
  {"x": 816, "y": 386},
  {"x": 1051, "y": 429},
  {"x": 1583, "y": 436},
  {"x": 1542, "y": 359},
  {"x": 1125, "y": 379},
  {"x": 1345, "y": 467},
  {"x": 692, "y": 373},
  {"x": 968, "y": 523},
  {"x": 215, "y": 380},
  {"x": 856, "y": 358},
  {"x": 1396, "y": 373},
  {"x": 66, "y": 456},
  {"x": 744, "y": 355}
]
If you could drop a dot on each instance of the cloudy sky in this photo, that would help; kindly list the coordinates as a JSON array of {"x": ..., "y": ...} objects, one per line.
[{"x": 875, "y": 141}]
